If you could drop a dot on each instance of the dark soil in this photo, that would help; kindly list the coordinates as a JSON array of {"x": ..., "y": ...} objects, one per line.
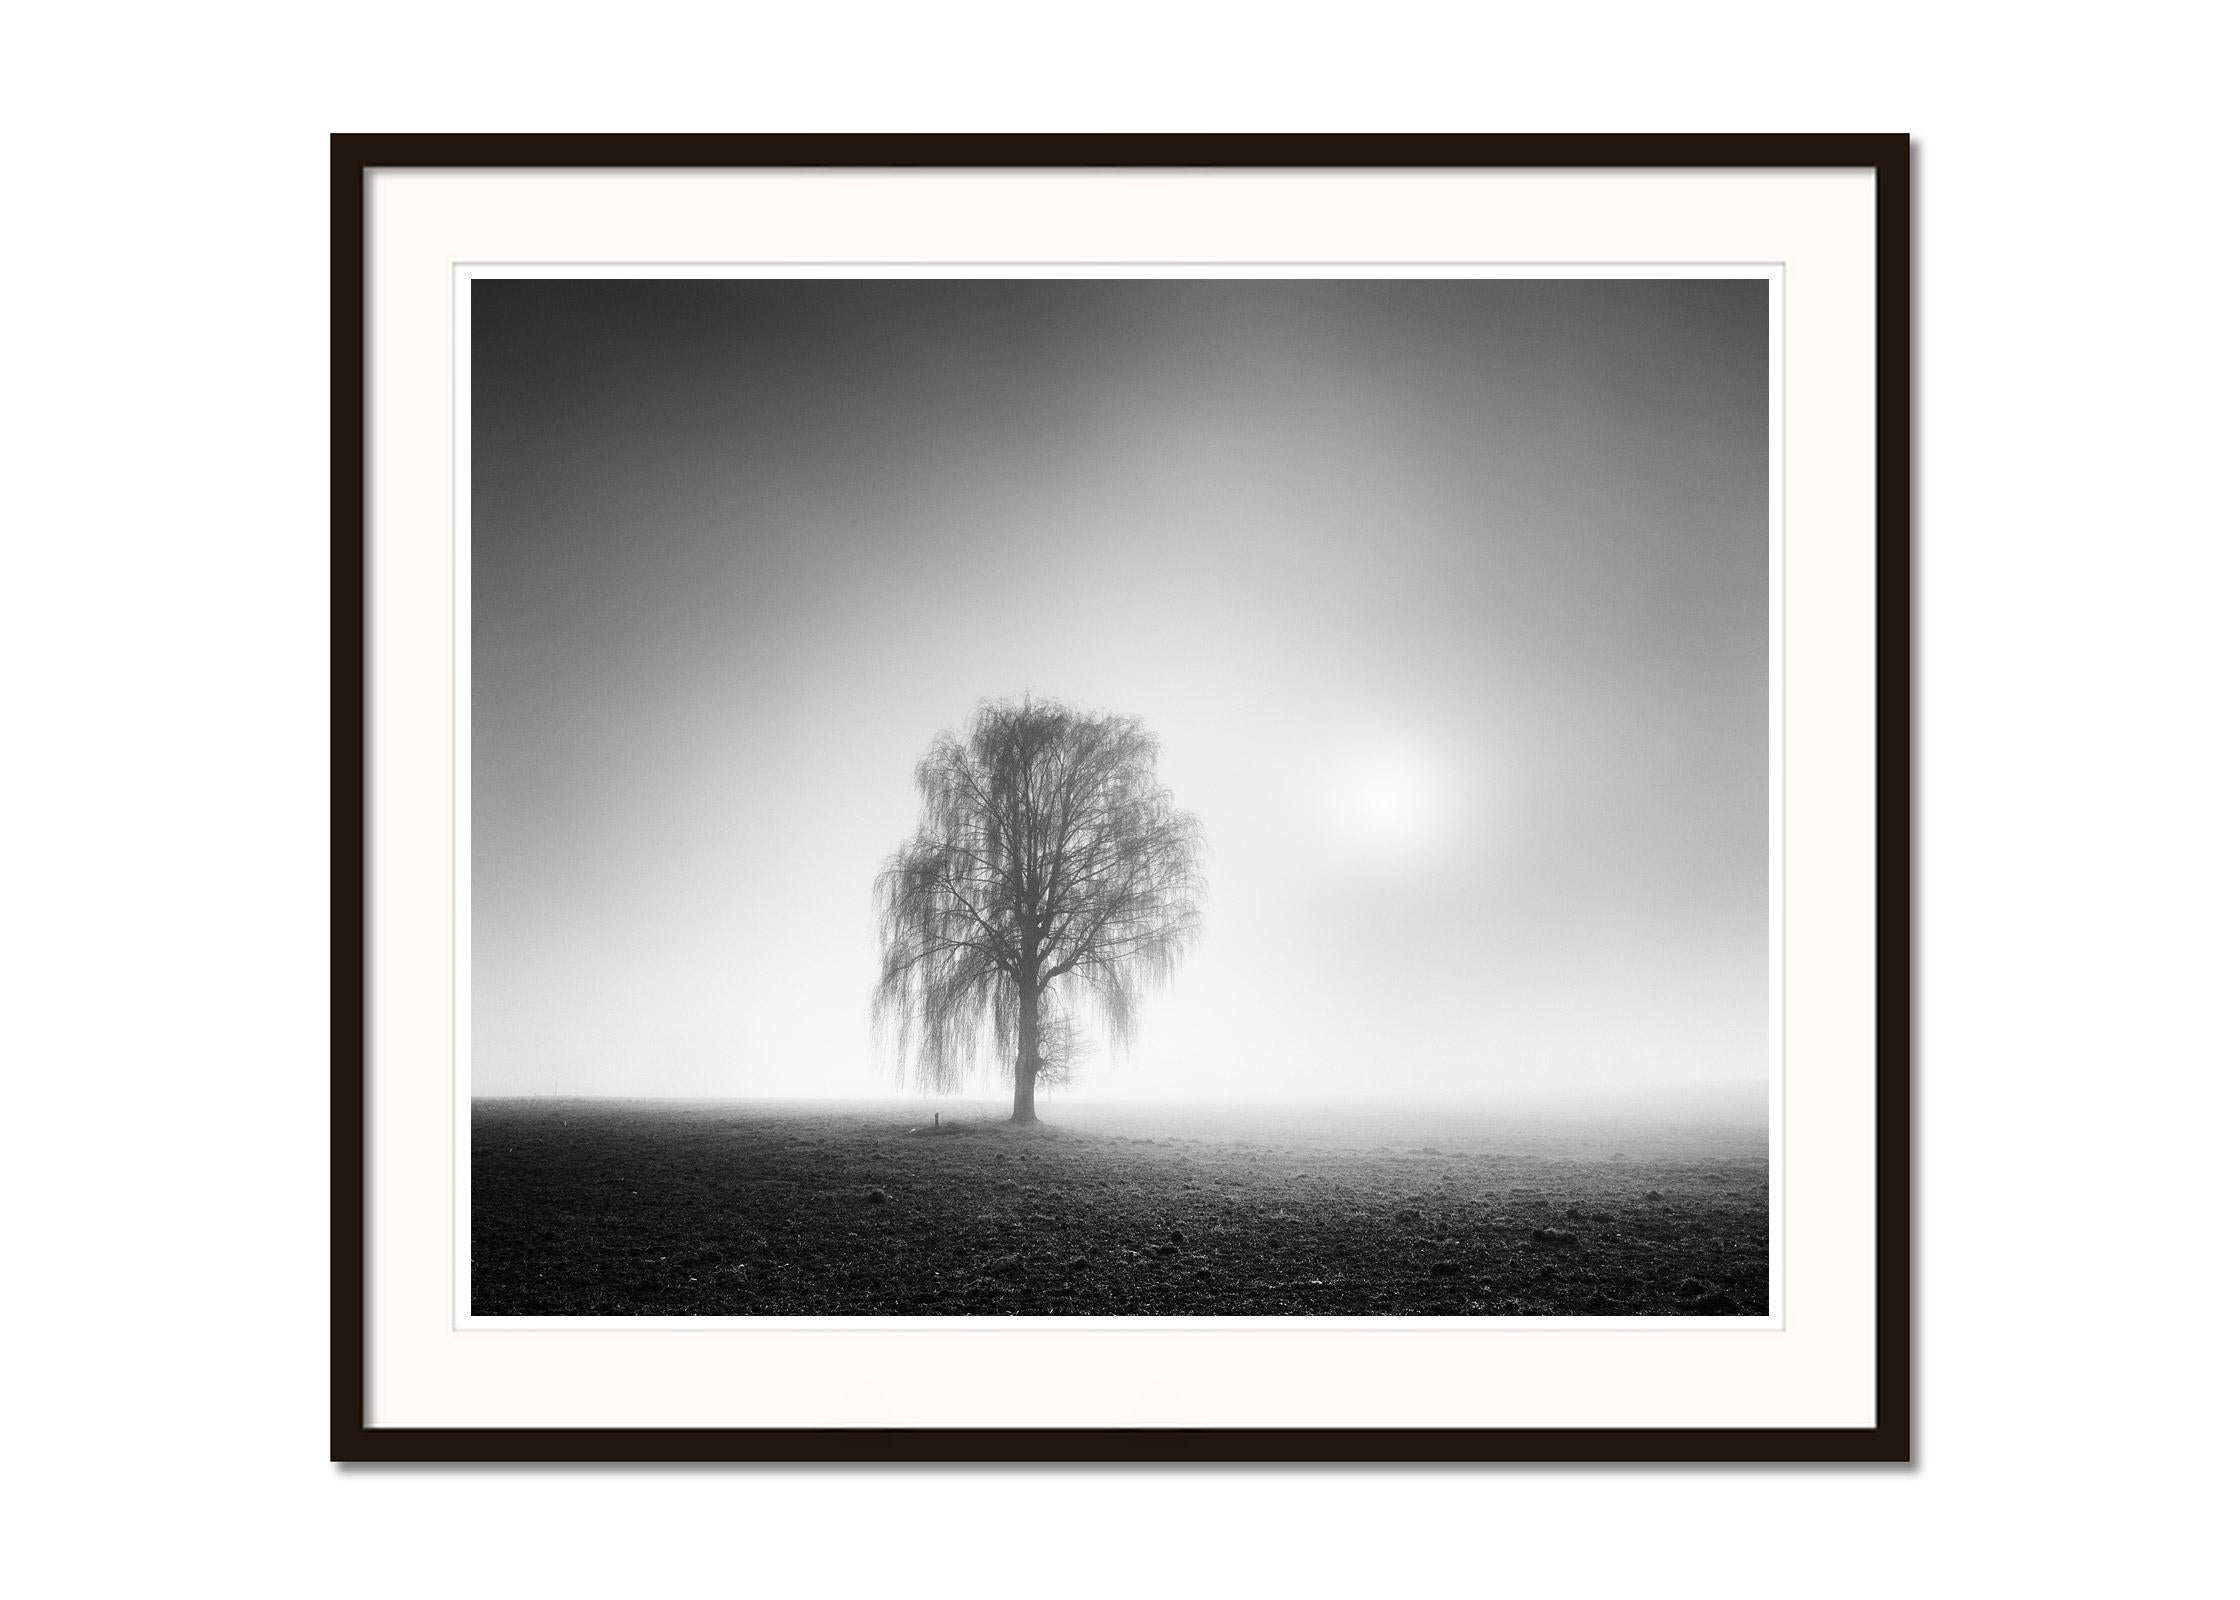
[{"x": 591, "y": 1208}]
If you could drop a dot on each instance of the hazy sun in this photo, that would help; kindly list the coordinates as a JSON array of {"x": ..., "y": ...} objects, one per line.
[{"x": 1394, "y": 799}]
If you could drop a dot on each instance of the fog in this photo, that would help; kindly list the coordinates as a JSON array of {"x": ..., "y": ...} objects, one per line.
[{"x": 1447, "y": 601}]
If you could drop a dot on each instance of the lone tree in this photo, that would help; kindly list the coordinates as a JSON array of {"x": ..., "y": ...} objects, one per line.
[{"x": 1050, "y": 875}]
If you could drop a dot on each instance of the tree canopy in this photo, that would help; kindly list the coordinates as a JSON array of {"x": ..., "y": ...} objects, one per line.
[{"x": 1051, "y": 879}]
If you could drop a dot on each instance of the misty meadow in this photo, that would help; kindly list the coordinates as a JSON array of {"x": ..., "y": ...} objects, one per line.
[
  {"x": 590, "y": 1208},
  {"x": 1120, "y": 793}
]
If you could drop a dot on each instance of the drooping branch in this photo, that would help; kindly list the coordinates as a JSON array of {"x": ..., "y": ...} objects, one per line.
[{"x": 1048, "y": 862}]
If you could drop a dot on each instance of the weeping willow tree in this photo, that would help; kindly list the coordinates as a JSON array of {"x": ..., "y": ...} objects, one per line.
[{"x": 1051, "y": 882}]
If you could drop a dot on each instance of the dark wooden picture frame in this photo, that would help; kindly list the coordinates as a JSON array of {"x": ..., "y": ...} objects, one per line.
[{"x": 355, "y": 157}]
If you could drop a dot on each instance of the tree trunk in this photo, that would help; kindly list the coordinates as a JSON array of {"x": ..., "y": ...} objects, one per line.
[{"x": 1030, "y": 1054}]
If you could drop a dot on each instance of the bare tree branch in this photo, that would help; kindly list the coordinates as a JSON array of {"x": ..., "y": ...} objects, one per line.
[{"x": 1050, "y": 870}]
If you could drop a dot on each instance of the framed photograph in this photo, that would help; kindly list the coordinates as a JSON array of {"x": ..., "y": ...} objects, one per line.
[{"x": 1121, "y": 798}]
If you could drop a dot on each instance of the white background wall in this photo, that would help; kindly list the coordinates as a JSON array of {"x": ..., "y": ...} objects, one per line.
[{"x": 163, "y": 514}]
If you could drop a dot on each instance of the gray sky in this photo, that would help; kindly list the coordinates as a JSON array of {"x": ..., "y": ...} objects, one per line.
[{"x": 1446, "y": 599}]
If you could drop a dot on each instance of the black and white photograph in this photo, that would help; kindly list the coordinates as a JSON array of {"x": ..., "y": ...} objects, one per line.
[
  {"x": 1137, "y": 794},
  {"x": 1197, "y": 800}
]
